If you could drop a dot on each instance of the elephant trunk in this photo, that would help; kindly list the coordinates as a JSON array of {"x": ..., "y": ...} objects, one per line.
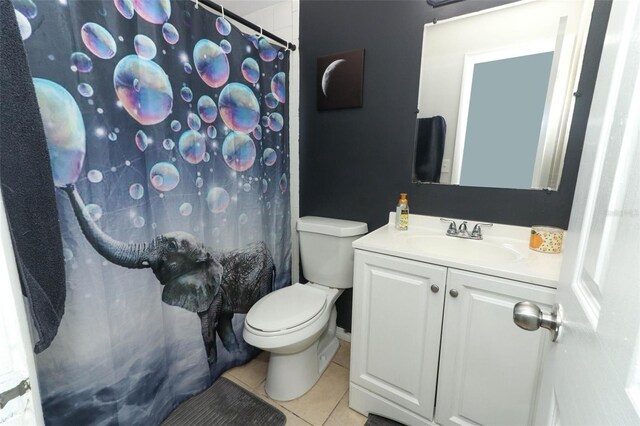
[{"x": 129, "y": 255}]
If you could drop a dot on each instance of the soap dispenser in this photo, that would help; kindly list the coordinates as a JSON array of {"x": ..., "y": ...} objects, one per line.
[{"x": 402, "y": 213}]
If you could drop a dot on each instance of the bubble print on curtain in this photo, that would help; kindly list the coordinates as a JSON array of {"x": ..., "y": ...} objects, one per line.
[{"x": 168, "y": 135}]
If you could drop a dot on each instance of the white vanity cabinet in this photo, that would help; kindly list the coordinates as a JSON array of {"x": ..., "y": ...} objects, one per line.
[
  {"x": 418, "y": 327},
  {"x": 489, "y": 368},
  {"x": 397, "y": 318}
]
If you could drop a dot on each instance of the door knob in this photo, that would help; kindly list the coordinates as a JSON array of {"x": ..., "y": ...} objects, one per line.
[
  {"x": 435, "y": 288},
  {"x": 529, "y": 316},
  {"x": 453, "y": 292}
]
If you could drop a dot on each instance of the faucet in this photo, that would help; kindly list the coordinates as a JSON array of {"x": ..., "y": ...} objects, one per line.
[
  {"x": 452, "y": 231},
  {"x": 462, "y": 231},
  {"x": 476, "y": 234}
]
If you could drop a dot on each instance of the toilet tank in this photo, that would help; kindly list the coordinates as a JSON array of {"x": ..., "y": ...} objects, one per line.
[{"x": 325, "y": 249}]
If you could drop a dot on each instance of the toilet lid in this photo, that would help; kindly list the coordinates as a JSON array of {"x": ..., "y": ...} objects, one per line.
[{"x": 286, "y": 308}]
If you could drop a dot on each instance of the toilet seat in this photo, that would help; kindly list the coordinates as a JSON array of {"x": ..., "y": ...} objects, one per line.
[{"x": 286, "y": 309}]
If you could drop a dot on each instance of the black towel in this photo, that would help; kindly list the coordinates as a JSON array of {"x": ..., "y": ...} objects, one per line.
[
  {"x": 27, "y": 185},
  {"x": 430, "y": 148}
]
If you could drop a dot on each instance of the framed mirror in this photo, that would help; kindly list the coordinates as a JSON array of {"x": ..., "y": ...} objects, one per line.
[{"x": 496, "y": 94}]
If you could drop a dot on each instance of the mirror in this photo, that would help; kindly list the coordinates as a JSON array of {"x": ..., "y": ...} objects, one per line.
[{"x": 496, "y": 94}]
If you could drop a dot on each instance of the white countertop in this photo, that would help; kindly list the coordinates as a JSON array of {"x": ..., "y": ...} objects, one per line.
[{"x": 527, "y": 265}]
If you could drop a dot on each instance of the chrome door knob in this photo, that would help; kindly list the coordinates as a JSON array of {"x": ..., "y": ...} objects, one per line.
[{"x": 529, "y": 316}]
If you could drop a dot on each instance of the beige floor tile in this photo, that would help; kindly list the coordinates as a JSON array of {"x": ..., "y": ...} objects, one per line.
[
  {"x": 345, "y": 416},
  {"x": 343, "y": 355},
  {"x": 260, "y": 391},
  {"x": 316, "y": 405},
  {"x": 254, "y": 372},
  {"x": 292, "y": 419},
  {"x": 236, "y": 381}
]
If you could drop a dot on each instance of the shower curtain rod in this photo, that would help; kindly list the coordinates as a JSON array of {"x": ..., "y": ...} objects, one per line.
[{"x": 228, "y": 14}]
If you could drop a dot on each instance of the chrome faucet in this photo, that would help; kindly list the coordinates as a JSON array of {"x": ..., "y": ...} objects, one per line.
[
  {"x": 476, "y": 234},
  {"x": 462, "y": 231},
  {"x": 452, "y": 231}
]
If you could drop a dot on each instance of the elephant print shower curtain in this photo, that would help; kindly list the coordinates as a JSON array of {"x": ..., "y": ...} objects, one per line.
[{"x": 168, "y": 136}]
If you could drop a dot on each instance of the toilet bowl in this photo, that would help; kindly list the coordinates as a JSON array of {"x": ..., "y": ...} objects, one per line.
[
  {"x": 297, "y": 324},
  {"x": 302, "y": 344}
]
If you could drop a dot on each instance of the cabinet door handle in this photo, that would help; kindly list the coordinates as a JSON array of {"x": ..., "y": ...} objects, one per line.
[
  {"x": 453, "y": 292},
  {"x": 435, "y": 288}
]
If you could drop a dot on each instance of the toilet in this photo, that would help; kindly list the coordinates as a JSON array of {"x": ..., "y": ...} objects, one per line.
[{"x": 297, "y": 324}]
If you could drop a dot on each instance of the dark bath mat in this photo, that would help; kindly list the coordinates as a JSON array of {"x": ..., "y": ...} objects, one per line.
[
  {"x": 224, "y": 404},
  {"x": 373, "y": 420}
]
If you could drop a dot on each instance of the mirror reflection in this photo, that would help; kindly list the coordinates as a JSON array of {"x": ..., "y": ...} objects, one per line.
[{"x": 496, "y": 94}]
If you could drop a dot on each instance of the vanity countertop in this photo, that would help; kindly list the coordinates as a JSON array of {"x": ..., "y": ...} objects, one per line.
[{"x": 504, "y": 251}]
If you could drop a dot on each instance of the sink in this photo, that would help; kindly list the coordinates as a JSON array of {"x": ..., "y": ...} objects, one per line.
[
  {"x": 464, "y": 249},
  {"x": 504, "y": 251}
]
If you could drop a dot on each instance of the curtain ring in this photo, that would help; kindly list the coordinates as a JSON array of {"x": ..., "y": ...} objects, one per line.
[
  {"x": 197, "y": 4},
  {"x": 222, "y": 11},
  {"x": 260, "y": 32},
  {"x": 286, "y": 48}
]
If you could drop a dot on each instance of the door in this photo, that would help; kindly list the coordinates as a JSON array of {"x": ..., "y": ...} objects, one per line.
[
  {"x": 396, "y": 329},
  {"x": 592, "y": 373},
  {"x": 483, "y": 355},
  {"x": 16, "y": 357}
]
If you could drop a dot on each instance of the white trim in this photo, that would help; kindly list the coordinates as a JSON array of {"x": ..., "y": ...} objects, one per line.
[
  {"x": 17, "y": 340},
  {"x": 343, "y": 335},
  {"x": 560, "y": 102},
  {"x": 551, "y": 117},
  {"x": 294, "y": 140}
]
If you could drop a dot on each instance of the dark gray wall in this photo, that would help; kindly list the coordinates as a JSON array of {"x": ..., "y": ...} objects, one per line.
[{"x": 355, "y": 162}]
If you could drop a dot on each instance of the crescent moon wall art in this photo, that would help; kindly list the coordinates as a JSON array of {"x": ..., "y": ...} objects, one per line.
[
  {"x": 326, "y": 76},
  {"x": 340, "y": 80}
]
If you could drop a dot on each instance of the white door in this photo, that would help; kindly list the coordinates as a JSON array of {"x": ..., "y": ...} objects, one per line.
[
  {"x": 483, "y": 354},
  {"x": 396, "y": 332},
  {"x": 592, "y": 374},
  {"x": 16, "y": 356}
]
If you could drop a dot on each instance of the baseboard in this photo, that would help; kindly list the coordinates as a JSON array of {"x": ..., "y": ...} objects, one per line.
[
  {"x": 342, "y": 334},
  {"x": 366, "y": 402}
]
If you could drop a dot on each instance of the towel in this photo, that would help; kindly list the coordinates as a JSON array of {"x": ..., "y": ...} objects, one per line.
[
  {"x": 430, "y": 137},
  {"x": 27, "y": 186}
]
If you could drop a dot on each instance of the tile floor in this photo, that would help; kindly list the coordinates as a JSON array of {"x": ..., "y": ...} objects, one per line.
[{"x": 327, "y": 403}]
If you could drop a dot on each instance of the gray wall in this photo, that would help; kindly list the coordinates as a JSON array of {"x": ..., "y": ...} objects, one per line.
[{"x": 353, "y": 163}]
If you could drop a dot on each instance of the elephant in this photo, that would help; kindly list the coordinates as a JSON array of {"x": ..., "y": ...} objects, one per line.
[{"x": 214, "y": 284}]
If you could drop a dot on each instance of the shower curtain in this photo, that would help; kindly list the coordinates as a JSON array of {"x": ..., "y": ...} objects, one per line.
[{"x": 167, "y": 129}]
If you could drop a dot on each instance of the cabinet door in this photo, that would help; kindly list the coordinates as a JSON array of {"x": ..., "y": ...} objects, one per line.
[
  {"x": 489, "y": 368},
  {"x": 395, "y": 334}
]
